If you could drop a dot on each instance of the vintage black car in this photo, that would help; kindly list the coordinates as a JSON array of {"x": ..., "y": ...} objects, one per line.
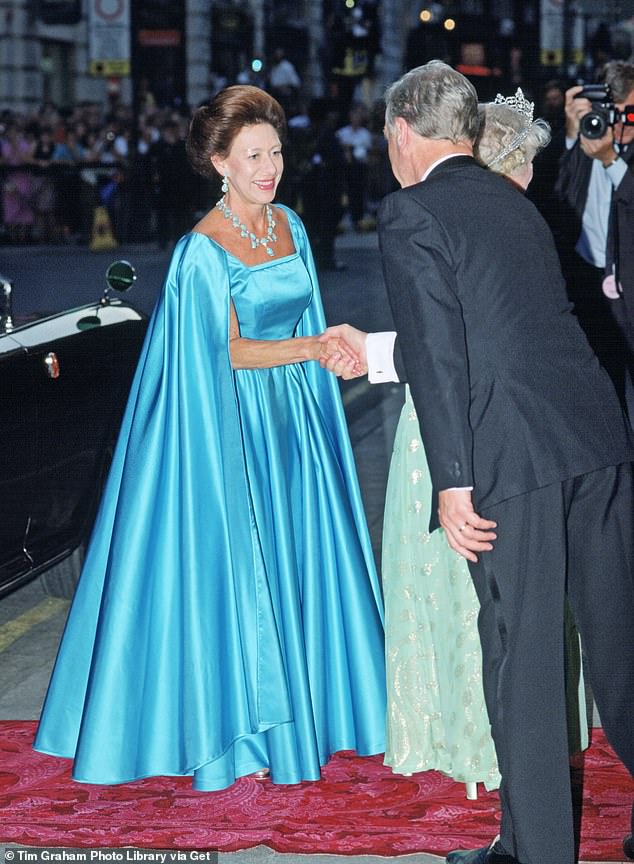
[{"x": 64, "y": 381}]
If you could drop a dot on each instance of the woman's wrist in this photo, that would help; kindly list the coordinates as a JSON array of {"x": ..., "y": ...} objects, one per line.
[{"x": 312, "y": 347}]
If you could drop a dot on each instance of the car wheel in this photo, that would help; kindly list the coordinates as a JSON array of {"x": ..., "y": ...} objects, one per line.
[{"x": 61, "y": 579}]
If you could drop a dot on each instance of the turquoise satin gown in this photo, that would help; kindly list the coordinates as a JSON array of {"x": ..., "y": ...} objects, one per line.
[{"x": 228, "y": 617}]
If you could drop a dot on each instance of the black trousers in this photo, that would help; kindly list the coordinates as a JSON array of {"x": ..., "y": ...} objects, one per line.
[{"x": 574, "y": 537}]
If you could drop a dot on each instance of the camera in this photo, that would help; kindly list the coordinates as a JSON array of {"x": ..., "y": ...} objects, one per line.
[{"x": 604, "y": 112}]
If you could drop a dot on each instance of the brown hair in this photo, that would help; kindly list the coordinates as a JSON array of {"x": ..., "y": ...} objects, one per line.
[{"x": 215, "y": 125}]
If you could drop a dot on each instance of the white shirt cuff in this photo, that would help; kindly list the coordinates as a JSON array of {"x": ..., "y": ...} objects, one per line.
[{"x": 380, "y": 356}]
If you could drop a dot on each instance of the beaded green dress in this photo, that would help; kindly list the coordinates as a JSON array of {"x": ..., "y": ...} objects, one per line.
[{"x": 436, "y": 714}]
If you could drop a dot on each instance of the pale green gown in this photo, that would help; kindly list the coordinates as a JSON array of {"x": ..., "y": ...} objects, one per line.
[{"x": 436, "y": 715}]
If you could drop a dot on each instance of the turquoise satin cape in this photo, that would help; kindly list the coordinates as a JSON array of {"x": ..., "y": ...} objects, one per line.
[{"x": 175, "y": 536}]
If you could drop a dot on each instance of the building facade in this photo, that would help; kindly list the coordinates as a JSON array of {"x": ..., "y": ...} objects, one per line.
[{"x": 181, "y": 49}]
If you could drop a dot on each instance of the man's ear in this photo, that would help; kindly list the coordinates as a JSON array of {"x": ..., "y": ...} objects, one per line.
[{"x": 401, "y": 132}]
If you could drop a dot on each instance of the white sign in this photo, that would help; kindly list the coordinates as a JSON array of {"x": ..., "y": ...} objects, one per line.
[{"x": 109, "y": 37}]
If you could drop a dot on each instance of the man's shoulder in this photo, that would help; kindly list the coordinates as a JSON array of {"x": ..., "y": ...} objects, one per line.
[
  {"x": 445, "y": 184},
  {"x": 401, "y": 199}
]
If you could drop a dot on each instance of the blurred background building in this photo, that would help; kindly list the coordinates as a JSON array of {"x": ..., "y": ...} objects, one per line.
[{"x": 178, "y": 51}]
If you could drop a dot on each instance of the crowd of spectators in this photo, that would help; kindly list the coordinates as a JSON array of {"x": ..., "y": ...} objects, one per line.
[{"x": 57, "y": 166}]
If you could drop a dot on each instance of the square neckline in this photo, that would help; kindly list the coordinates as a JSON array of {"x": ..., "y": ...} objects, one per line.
[
  {"x": 242, "y": 263},
  {"x": 263, "y": 264}
]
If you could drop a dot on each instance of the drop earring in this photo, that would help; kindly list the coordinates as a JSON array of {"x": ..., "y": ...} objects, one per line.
[{"x": 225, "y": 185}]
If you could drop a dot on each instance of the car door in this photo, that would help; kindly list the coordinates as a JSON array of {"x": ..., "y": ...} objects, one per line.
[
  {"x": 89, "y": 361},
  {"x": 18, "y": 454}
]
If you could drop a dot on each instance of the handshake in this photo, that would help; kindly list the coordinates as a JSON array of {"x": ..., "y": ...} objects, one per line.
[{"x": 343, "y": 352}]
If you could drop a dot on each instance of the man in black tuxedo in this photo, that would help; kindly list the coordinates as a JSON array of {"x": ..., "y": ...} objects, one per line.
[{"x": 528, "y": 449}]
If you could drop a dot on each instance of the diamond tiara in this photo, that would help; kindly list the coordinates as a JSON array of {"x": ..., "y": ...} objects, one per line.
[{"x": 518, "y": 103}]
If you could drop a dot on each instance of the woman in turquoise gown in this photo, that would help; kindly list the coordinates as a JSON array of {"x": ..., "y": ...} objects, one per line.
[
  {"x": 228, "y": 618},
  {"x": 437, "y": 717}
]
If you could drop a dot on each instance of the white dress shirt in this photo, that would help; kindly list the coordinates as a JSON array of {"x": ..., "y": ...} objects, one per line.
[{"x": 593, "y": 238}]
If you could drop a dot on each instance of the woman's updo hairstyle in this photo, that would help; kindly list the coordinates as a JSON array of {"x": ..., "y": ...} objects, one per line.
[
  {"x": 508, "y": 139},
  {"x": 215, "y": 125}
]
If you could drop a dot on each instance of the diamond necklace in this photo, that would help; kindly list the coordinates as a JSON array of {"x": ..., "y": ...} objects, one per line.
[{"x": 271, "y": 237}]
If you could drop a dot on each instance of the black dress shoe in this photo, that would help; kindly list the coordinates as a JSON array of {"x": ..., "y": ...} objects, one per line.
[
  {"x": 493, "y": 854},
  {"x": 628, "y": 846}
]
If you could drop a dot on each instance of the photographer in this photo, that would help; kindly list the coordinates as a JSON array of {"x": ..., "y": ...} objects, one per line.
[{"x": 596, "y": 179}]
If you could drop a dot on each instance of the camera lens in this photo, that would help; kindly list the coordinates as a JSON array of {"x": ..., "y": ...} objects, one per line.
[{"x": 593, "y": 125}]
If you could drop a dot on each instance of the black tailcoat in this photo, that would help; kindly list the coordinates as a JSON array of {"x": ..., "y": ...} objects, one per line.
[{"x": 509, "y": 394}]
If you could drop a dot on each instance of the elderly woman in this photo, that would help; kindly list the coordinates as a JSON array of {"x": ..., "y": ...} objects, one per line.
[
  {"x": 437, "y": 718},
  {"x": 228, "y": 620}
]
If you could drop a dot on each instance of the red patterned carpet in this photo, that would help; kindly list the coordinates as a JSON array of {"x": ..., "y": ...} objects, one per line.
[{"x": 359, "y": 807}]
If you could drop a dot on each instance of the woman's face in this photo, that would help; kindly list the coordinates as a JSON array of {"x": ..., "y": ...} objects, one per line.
[{"x": 254, "y": 164}]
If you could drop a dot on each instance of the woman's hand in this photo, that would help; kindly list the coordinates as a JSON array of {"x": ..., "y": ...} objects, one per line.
[
  {"x": 335, "y": 354},
  {"x": 339, "y": 362}
]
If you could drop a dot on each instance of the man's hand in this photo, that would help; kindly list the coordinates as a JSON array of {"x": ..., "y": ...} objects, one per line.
[
  {"x": 575, "y": 109},
  {"x": 596, "y": 148},
  {"x": 354, "y": 338},
  {"x": 599, "y": 148},
  {"x": 354, "y": 342},
  {"x": 466, "y": 532},
  {"x": 339, "y": 358}
]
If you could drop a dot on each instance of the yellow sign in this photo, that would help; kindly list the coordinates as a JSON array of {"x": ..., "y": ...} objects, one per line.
[
  {"x": 102, "y": 236},
  {"x": 555, "y": 56},
  {"x": 110, "y": 68},
  {"x": 355, "y": 62}
]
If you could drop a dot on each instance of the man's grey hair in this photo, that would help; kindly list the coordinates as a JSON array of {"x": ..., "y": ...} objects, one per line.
[
  {"x": 436, "y": 101},
  {"x": 619, "y": 75}
]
